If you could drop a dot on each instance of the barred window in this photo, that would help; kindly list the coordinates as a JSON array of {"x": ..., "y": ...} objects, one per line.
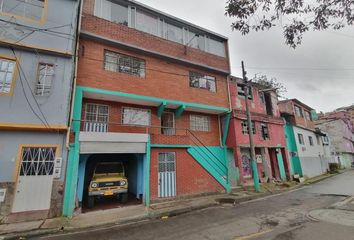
[
  {"x": 117, "y": 62},
  {"x": 241, "y": 90},
  {"x": 45, "y": 79},
  {"x": 244, "y": 127},
  {"x": 167, "y": 162},
  {"x": 135, "y": 116},
  {"x": 96, "y": 118},
  {"x": 7, "y": 68},
  {"x": 37, "y": 161},
  {"x": 200, "y": 123},
  {"x": 32, "y": 9},
  {"x": 265, "y": 131},
  {"x": 198, "y": 80}
]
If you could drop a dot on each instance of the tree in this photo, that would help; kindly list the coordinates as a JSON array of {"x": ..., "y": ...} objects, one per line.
[
  {"x": 295, "y": 17},
  {"x": 263, "y": 83}
]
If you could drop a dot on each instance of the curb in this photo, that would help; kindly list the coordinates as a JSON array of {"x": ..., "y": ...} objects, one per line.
[{"x": 159, "y": 215}]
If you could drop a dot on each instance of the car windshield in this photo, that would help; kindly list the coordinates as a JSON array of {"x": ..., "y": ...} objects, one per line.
[{"x": 109, "y": 168}]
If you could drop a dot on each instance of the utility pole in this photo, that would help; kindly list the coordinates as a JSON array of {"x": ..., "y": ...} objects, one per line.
[{"x": 247, "y": 87}]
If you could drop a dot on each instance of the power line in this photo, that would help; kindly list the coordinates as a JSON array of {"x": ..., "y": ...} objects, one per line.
[{"x": 28, "y": 85}]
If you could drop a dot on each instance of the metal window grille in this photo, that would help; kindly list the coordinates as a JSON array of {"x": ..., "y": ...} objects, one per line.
[
  {"x": 198, "y": 80},
  {"x": 241, "y": 90},
  {"x": 167, "y": 162},
  {"x": 244, "y": 127},
  {"x": 117, "y": 62},
  {"x": 45, "y": 79},
  {"x": 37, "y": 161},
  {"x": 265, "y": 131},
  {"x": 32, "y": 9},
  {"x": 96, "y": 118},
  {"x": 200, "y": 123},
  {"x": 7, "y": 68},
  {"x": 136, "y": 116}
]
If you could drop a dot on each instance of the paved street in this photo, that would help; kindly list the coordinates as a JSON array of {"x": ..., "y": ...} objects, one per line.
[{"x": 318, "y": 211}]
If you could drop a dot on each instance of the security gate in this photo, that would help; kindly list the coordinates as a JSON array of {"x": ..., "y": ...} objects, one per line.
[
  {"x": 35, "y": 180},
  {"x": 167, "y": 175}
]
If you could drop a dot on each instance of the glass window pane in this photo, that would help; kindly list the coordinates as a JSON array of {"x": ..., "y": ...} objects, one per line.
[
  {"x": 27, "y": 8},
  {"x": 217, "y": 47},
  {"x": 133, "y": 116},
  {"x": 147, "y": 23},
  {"x": 119, "y": 14},
  {"x": 174, "y": 33}
]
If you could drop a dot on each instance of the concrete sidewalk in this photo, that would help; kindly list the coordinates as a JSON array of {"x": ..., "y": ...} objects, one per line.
[{"x": 133, "y": 214}]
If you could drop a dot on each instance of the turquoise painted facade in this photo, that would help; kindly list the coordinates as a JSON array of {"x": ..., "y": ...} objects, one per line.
[
  {"x": 292, "y": 148},
  {"x": 213, "y": 159}
]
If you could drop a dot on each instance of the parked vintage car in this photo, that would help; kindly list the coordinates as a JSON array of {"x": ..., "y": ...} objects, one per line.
[{"x": 108, "y": 180}]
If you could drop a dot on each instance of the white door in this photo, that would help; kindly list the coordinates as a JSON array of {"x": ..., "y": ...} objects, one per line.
[
  {"x": 35, "y": 180},
  {"x": 167, "y": 175}
]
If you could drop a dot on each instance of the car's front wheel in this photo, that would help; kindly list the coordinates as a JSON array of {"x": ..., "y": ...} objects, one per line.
[{"x": 90, "y": 202}]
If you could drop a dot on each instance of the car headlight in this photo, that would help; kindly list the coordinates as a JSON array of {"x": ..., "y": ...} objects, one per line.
[
  {"x": 94, "y": 185},
  {"x": 122, "y": 183}
]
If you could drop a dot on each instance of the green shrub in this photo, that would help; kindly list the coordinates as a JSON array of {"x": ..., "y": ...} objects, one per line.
[{"x": 333, "y": 167}]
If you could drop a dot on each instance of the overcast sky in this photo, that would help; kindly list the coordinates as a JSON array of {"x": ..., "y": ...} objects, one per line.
[{"x": 320, "y": 72}]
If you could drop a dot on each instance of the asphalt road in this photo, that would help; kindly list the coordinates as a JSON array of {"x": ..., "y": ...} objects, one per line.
[{"x": 279, "y": 217}]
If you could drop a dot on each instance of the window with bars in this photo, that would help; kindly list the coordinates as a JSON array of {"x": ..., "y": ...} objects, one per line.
[
  {"x": 136, "y": 116},
  {"x": 265, "y": 131},
  {"x": 96, "y": 117},
  {"x": 37, "y": 161},
  {"x": 198, "y": 80},
  {"x": 298, "y": 111},
  {"x": 244, "y": 127},
  {"x": 44, "y": 79},
  {"x": 117, "y": 62},
  {"x": 241, "y": 90},
  {"x": 32, "y": 9},
  {"x": 200, "y": 123},
  {"x": 167, "y": 162},
  {"x": 7, "y": 69}
]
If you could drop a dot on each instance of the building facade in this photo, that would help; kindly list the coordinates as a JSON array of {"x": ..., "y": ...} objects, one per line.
[
  {"x": 37, "y": 65},
  {"x": 268, "y": 133},
  {"x": 308, "y": 148},
  {"x": 151, "y": 93}
]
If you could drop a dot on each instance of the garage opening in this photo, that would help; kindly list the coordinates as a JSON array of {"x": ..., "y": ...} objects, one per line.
[{"x": 111, "y": 181}]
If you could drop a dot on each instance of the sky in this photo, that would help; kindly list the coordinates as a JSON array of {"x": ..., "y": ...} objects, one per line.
[{"x": 320, "y": 72}]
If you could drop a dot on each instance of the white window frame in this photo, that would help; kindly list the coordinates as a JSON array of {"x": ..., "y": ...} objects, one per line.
[
  {"x": 44, "y": 88},
  {"x": 6, "y": 73},
  {"x": 148, "y": 111},
  {"x": 198, "y": 77},
  {"x": 120, "y": 66},
  {"x": 97, "y": 114},
  {"x": 199, "y": 126}
]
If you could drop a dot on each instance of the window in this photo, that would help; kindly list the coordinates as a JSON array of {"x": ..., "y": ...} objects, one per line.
[
  {"x": 300, "y": 137},
  {"x": 117, "y": 62},
  {"x": 96, "y": 118},
  {"x": 200, "y": 123},
  {"x": 167, "y": 162},
  {"x": 37, "y": 161},
  {"x": 311, "y": 141},
  {"x": 147, "y": 23},
  {"x": 44, "y": 79},
  {"x": 325, "y": 140},
  {"x": 265, "y": 131},
  {"x": 195, "y": 40},
  {"x": 298, "y": 111},
  {"x": 135, "y": 116},
  {"x": 111, "y": 11},
  {"x": 216, "y": 47},
  {"x": 7, "y": 69},
  {"x": 244, "y": 127},
  {"x": 198, "y": 80},
  {"x": 32, "y": 9},
  {"x": 308, "y": 115},
  {"x": 318, "y": 140},
  {"x": 262, "y": 97},
  {"x": 241, "y": 90},
  {"x": 174, "y": 33}
]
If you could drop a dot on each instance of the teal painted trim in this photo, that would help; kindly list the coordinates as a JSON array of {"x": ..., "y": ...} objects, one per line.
[
  {"x": 281, "y": 165},
  {"x": 161, "y": 108},
  {"x": 226, "y": 128},
  {"x": 180, "y": 110},
  {"x": 169, "y": 146},
  {"x": 72, "y": 168},
  {"x": 147, "y": 173},
  {"x": 152, "y": 99},
  {"x": 219, "y": 175}
]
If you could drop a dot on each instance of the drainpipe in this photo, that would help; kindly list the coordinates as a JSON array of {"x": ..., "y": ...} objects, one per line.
[{"x": 78, "y": 30}]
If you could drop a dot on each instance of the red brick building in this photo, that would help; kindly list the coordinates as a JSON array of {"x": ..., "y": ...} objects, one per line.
[
  {"x": 268, "y": 133},
  {"x": 152, "y": 92}
]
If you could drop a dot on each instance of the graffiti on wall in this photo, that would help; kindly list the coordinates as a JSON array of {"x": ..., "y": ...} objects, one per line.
[{"x": 246, "y": 166}]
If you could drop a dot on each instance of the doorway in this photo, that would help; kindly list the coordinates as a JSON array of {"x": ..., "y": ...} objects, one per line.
[{"x": 168, "y": 123}]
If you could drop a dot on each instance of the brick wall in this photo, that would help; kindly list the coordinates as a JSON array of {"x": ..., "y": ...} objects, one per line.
[
  {"x": 132, "y": 36},
  {"x": 211, "y": 138},
  {"x": 191, "y": 178},
  {"x": 163, "y": 79}
]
